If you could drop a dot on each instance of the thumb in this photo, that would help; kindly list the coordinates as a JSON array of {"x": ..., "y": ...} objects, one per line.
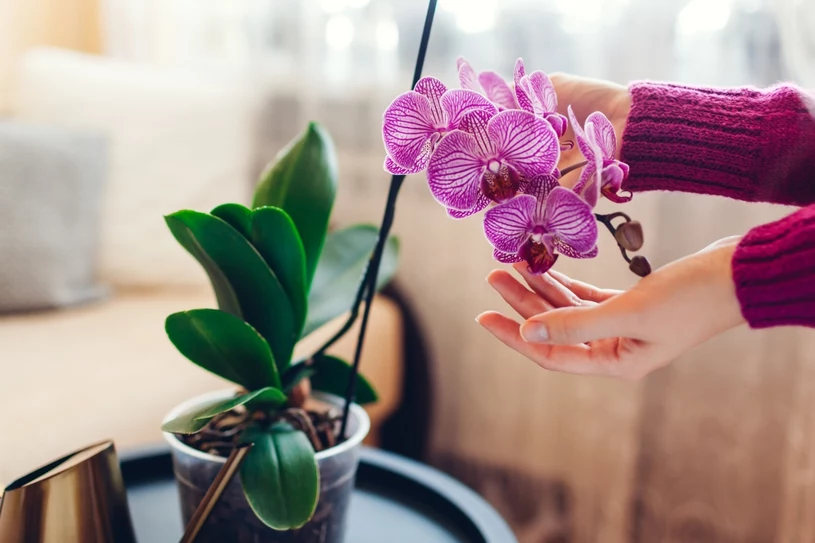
[{"x": 572, "y": 325}]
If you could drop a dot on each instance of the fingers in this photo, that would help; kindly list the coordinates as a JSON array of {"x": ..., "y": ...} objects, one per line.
[
  {"x": 574, "y": 325},
  {"x": 522, "y": 300},
  {"x": 584, "y": 290},
  {"x": 597, "y": 359},
  {"x": 548, "y": 288}
]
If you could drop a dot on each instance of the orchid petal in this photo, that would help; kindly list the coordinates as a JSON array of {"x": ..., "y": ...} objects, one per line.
[
  {"x": 527, "y": 143},
  {"x": 506, "y": 258},
  {"x": 508, "y": 225},
  {"x": 433, "y": 89},
  {"x": 567, "y": 250},
  {"x": 466, "y": 75},
  {"x": 560, "y": 124},
  {"x": 612, "y": 176},
  {"x": 587, "y": 186},
  {"x": 520, "y": 71},
  {"x": 541, "y": 185},
  {"x": 569, "y": 219},
  {"x": 582, "y": 140},
  {"x": 541, "y": 93},
  {"x": 497, "y": 90},
  {"x": 476, "y": 124},
  {"x": 455, "y": 171},
  {"x": 407, "y": 125},
  {"x": 521, "y": 93},
  {"x": 395, "y": 169},
  {"x": 459, "y": 102},
  {"x": 482, "y": 202},
  {"x": 600, "y": 130}
]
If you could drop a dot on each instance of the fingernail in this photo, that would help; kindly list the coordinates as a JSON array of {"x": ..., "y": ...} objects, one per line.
[{"x": 534, "y": 332}]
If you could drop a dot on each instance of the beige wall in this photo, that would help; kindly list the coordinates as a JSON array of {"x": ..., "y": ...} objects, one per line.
[{"x": 72, "y": 24}]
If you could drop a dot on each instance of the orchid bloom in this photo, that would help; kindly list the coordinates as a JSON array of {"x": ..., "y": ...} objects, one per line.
[
  {"x": 491, "y": 159},
  {"x": 598, "y": 143},
  {"x": 490, "y": 83},
  {"x": 415, "y": 122},
  {"x": 536, "y": 94},
  {"x": 537, "y": 229}
]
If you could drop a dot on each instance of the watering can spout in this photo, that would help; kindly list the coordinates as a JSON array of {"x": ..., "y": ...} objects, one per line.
[{"x": 79, "y": 498}]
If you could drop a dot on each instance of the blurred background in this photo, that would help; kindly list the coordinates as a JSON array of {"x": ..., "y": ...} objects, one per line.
[{"x": 115, "y": 112}]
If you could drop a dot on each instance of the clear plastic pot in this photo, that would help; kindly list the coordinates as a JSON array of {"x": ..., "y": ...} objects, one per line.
[{"x": 233, "y": 520}]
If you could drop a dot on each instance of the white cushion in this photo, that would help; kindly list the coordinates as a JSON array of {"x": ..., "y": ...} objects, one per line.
[{"x": 177, "y": 141}]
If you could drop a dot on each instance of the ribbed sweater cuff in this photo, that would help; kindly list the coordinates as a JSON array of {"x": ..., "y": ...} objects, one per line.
[
  {"x": 773, "y": 268},
  {"x": 744, "y": 143}
]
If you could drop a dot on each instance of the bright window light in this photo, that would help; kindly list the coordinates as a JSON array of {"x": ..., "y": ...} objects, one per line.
[
  {"x": 339, "y": 32},
  {"x": 703, "y": 16},
  {"x": 387, "y": 35}
]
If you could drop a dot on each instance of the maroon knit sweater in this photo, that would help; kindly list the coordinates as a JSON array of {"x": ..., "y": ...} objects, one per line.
[{"x": 753, "y": 145}]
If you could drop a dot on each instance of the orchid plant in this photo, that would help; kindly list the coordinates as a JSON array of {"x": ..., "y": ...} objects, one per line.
[{"x": 497, "y": 145}]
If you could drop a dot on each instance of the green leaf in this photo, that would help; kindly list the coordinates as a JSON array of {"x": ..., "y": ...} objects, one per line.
[
  {"x": 280, "y": 476},
  {"x": 272, "y": 233},
  {"x": 342, "y": 264},
  {"x": 188, "y": 422},
  {"x": 302, "y": 180},
  {"x": 332, "y": 374},
  {"x": 262, "y": 301},
  {"x": 237, "y": 216},
  {"x": 266, "y": 397},
  {"x": 225, "y": 345},
  {"x": 276, "y": 239},
  {"x": 224, "y": 293}
]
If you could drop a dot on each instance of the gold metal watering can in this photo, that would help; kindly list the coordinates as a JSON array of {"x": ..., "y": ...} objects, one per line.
[{"x": 79, "y": 498}]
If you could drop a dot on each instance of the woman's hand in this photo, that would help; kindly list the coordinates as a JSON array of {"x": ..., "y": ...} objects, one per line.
[
  {"x": 587, "y": 96},
  {"x": 577, "y": 328}
]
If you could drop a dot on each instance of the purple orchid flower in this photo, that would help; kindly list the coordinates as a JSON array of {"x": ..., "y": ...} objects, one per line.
[
  {"x": 415, "y": 122},
  {"x": 537, "y": 229},
  {"x": 598, "y": 143},
  {"x": 490, "y": 83},
  {"x": 491, "y": 159},
  {"x": 535, "y": 93}
]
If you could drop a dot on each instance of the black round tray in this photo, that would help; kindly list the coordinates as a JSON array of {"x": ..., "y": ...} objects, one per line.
[{"x": 396, "y": 500}]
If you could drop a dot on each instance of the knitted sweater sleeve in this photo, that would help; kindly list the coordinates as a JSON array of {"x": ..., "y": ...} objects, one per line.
[
  {"x": 747, "y": 144},
  {"x": 744, "y": 143}
]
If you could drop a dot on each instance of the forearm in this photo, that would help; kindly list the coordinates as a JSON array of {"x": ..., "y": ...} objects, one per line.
[
  {"x": 774, "y": 272},
  {"x": 748, "y": 144}
]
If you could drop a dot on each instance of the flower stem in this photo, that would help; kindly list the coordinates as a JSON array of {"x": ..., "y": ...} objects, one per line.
[
  {"x": 367, "y": 287},
  {"x": 568, "y": 169}
]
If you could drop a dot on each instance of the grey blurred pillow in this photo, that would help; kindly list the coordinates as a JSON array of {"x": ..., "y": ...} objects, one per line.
[{"x": 51, "y": 183}]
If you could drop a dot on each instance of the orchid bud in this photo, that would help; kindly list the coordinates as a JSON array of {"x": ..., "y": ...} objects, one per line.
[
  {"x": 629, "y": 236},
  {"x": 640, "y": 266}
]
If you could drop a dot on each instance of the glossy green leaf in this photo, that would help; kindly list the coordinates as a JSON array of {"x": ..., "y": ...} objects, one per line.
[
  {"x": 273, "y": 234},
  {"x": 276, "y": 239},
  {"x": 237, "y": 216},
  {"x": 225, "y": 345},
  {"x": 268, "y": 397},
  {"x": 188, "y": 422},
  {"x": 302, "y": 180},
  {"x": 262, "y": 300},
  {"x": 224, "y": 293},
  {"x": 342, "y": 264},
  {"x": 331, "y": 375},
  {"x": 280, "y": 477}
]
